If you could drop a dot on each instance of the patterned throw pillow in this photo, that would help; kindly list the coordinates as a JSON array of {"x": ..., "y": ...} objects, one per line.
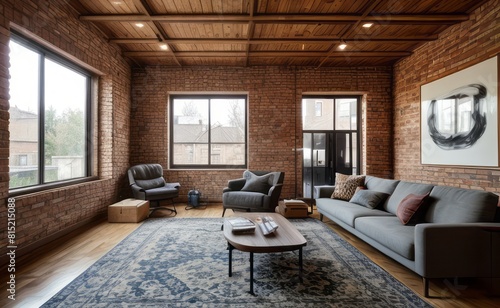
[{"x": 345, "y": 185}]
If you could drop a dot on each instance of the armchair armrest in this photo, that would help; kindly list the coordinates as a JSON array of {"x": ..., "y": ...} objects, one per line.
[
  {"x": 173, "y": 185},
  {"x": 136, "y": 188},
  {"x": 273, "y": 188},
  {"x": 453, "y": 250},
  {"x": 235, "y": 185}
]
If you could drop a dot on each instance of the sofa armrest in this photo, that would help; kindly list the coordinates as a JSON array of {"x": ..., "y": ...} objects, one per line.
[
  {"x": 324, "y": 191},
  {"x": 453, "y": 250}
]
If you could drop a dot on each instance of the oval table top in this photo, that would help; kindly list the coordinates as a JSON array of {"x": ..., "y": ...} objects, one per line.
[{"x": 285, "y": 238}]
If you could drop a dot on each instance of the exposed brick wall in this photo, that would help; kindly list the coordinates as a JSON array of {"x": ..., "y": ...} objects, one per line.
[
  {"x": 43, "y": 214},
  {"x": 274, "y": 117},
  {"x": 469, "y": 42}
]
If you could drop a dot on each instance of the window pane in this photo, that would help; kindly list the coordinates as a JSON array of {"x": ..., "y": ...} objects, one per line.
[
  {"x": 190, "y": 154},
  {"x": 317, "y": 114},
  {"x": 23, "y": 126},
  {"x": 190, "y": 131},
  {"x": 65, "y": 129},
  {"x": 354, "y": 153},
  {"x": 227, "y": 118},
  {"x": 345, "y": 114},
  {"x": 209, "y": 131},
  {"x": 228, "y": 154}
]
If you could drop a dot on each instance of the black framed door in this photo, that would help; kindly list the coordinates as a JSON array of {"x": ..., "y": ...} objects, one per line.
[{"x": 328, "y": 151}]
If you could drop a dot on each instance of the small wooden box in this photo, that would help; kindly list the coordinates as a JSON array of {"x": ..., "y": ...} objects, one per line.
[
  {"x": 292, "y": 208},
  {"x": 128, "y": 210}
]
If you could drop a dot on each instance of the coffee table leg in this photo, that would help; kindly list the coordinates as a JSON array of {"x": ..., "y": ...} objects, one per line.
[
  {"x": 251, "y": 273},
  {"x": 300, "y": 264},
  {"x": 230, "y": 247}
]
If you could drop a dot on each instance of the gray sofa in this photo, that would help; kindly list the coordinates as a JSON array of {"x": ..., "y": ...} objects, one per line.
[{"x": 458, "y": 236}]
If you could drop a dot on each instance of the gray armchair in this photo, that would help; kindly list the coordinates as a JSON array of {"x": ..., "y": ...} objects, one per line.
[
  {"x": 147, "y": 183},
  {"x": 257, "y": 191}
]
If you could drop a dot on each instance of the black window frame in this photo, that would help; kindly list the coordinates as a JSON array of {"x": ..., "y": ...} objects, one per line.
[
  {"x": 45, "y": 53},
  {"x": 209, "y": 165}
]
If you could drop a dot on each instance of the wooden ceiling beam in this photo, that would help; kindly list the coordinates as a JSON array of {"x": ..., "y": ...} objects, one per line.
[
  {"x": 242, "y": 54},
  {"x": 300, "y": 41},
  {"x": 349, "y": 29},
  {"x": 160, "y": 33},
  {"x": 251, "y": 29},
  {"x": 280, "y": 18}
]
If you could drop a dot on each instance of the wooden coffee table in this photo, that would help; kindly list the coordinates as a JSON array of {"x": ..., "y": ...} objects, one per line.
[{"x": 285, "y": 238}]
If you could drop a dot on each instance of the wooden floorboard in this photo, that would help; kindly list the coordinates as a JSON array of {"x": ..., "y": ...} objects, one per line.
[{"x": 46, "y": 271}]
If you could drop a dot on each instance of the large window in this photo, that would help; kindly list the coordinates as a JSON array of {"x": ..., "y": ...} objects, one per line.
[
  {"x": 49, "y": 117},
  {"x": 208, "y": 131}
]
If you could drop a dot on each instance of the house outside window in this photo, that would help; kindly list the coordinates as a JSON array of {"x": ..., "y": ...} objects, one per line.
[
  {"x": 49, "y": 117},
  {"x": 208, "y": 131}
]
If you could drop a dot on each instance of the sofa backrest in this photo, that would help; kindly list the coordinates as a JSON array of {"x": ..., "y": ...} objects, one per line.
[
  {"x": 457, "y": 205},
  {"x": 402, "y": 190},
  {"x": 381, "y": 185}
]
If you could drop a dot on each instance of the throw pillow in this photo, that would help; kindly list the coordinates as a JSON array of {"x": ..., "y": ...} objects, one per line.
[
  {"x": 368, "y": 198},
  {"x": 345, "y": 185},
  {"x": 258, "y": 183},
  {"x": 411, "y": 208}
]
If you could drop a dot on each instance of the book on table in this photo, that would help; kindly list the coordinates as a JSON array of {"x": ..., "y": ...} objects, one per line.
[
  {"x": 267, "y": 225},
  {"x": 241, "y": 224}
]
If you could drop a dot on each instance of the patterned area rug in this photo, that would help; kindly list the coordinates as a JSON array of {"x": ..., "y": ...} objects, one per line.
[{"x": 183, "y": 262}]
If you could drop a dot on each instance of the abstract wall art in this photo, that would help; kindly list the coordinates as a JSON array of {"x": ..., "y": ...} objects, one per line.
[{"x": 459, "y": 118}]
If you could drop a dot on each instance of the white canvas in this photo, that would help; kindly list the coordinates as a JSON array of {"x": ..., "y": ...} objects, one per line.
[{"x": 484, "y": 151}]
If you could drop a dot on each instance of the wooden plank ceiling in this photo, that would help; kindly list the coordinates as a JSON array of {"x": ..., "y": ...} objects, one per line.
[{"x": 240, "y": 33}]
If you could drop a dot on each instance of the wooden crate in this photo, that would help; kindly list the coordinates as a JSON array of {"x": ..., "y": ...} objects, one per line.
[
  {"x": 292, "y": 208},
  {"x": 128, "y": 210}
]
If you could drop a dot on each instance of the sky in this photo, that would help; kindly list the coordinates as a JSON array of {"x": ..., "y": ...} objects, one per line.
[{"x": 64, "y": 88}]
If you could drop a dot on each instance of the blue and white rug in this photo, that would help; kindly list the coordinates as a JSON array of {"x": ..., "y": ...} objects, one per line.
[{"x": 183, "y": 262}]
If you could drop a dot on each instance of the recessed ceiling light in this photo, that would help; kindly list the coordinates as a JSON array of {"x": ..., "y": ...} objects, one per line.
[
  {"x": 139, "y": 25},
  {"x": 367, "y": 25},
  {"x": 117, "y": 2},
  {"x": 164, "y": 47},
  {"x": 342, "y": 45}
]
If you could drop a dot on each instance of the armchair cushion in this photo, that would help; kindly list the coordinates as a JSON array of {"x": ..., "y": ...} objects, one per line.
[{"x": 256, "y": 183}]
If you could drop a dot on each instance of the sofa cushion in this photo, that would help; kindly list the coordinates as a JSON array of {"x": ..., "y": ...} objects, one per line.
[
  {"x": 402, "y": 190},
  {"x": 345, "y": 211},
  {"x": 368, "y": 198},
  {"x": 256, "y": 183},
  {"x": 379, "y": 184},
  {"x": 457, "y": 205},
  {"x": 389, "y": 232},
  {"x": 345, "y": 185},
  {"x": 411, "y": 208}
]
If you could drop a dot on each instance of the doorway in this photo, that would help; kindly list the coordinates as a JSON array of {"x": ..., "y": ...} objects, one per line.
[{"x": 330, "y": 139}]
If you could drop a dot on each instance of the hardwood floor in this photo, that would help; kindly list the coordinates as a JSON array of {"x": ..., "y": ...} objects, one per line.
[{"x": 47, "y": 271}]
